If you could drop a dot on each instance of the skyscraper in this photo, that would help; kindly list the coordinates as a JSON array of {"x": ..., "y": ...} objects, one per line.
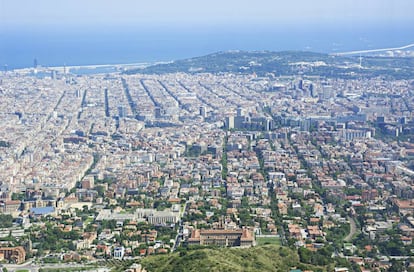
[
  {"x": 229, "y": 123},
  {"x": 203, "y": 111},
  {"x": 239, "y": 111},
  {"x": 300, "y": 84},
  {"x": 158, "y": 112},
  {"x": 122, "y": 111}
]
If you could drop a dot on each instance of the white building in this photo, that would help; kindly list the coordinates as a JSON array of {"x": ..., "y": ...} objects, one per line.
[{"x": 119, "y": 252}]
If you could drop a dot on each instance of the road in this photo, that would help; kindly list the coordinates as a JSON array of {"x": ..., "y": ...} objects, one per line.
[
  {"x": 352, "y": 231},
  {"x": 180, "y": 229},
  {"x": 374, "y": 50},
  {"x": 29, "y": 266}
]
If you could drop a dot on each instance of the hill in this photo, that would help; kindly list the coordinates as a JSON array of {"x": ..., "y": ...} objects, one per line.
[
  {"x": 287, "y": 63},
  {"x": 260, "y": 258}
]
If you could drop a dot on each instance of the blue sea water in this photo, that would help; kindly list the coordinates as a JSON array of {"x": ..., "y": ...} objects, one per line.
[{"x": 111, "y": 45}]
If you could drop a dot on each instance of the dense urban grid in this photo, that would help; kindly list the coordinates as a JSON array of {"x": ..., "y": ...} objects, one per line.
[{"x": 113, "y": 167}]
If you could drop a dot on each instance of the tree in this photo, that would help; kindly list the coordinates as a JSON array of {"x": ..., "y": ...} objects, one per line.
[
  {"x": 6, "y": 221},
  {"x": 101, "y": 190},
  {"x": 396, "y": 266},
  {"x": 17, "y": 196},
  {"x": 316, "y": 258},
  {"x": 4, "y": 144}
]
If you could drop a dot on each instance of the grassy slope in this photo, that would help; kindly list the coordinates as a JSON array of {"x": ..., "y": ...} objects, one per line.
[{"x": 260, "y": 258}]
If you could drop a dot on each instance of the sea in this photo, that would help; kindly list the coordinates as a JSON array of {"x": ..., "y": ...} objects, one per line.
[{"x": 21, "y": 47}]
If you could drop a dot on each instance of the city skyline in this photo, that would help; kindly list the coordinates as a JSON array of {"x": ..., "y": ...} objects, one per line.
[
  {"x": 286, "y": 152},
  {"x": 153, "y": 129}
]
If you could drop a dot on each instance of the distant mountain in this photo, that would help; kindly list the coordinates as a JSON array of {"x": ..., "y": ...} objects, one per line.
[{"x": 287, "y": 63}]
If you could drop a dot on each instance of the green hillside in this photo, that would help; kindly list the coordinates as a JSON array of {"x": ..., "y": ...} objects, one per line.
[
  {"x": 287, "y": 63},
  {"x": 260, "y": 258}
]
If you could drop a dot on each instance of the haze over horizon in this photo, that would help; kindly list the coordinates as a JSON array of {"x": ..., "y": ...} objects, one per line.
[
  {"x": 128, "y": 12},
  {"x": 97, "y": 32}
]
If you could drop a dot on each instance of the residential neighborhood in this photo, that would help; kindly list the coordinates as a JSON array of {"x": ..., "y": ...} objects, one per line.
[{"x": 118, "y": 167}]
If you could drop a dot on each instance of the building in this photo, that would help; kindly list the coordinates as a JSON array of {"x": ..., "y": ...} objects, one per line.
[
  {"x": 162, "y": 218},
  {"x": 229, "y": 123},
  {"x": 260, "y": 123},
  {"x": 158, "y": 112},
  {"x": 350, "y": 134},
  {"x": 13, "y": 254},
  {"x": 10, "y": 206},
  {"x": 88, "y": 182},
  {"x": 119, "y": 252},
  {"x": 203, "y": 112},
  {"x": 405, "y": 207},
  {"x": 122, "y": 111},
  {"x": 43, "y": 211},
  {"x": 136, "y": 268},
  {"x": 226, "y": 238}
]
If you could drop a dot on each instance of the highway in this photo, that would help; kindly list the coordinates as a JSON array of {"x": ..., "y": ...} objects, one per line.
[{"x": 358, "y": 52}]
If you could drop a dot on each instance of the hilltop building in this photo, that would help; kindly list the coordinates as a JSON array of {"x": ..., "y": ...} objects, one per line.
[{"x": 221, "y": 237}]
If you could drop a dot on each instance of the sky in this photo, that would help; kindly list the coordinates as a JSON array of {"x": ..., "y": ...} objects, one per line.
[{"x": 140, "y": 13}]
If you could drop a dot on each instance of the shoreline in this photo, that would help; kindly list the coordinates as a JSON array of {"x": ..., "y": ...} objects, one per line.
[{"x": 88, "y": 66}]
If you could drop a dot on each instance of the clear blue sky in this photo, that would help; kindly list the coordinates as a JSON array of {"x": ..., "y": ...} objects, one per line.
[{"x": 57, "y": 13}]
